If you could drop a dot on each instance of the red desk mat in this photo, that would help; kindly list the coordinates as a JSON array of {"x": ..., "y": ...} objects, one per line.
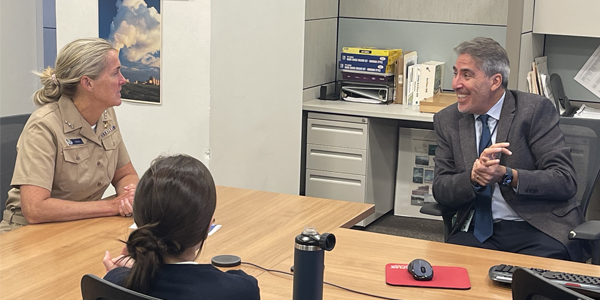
[{"x": 443, "y": 277}]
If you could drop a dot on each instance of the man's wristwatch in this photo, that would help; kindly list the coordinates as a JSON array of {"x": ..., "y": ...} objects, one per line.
[{"x": 508, "y": 177}]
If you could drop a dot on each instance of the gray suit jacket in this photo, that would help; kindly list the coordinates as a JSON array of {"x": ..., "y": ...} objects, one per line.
[{"x": 547, "y": 181}]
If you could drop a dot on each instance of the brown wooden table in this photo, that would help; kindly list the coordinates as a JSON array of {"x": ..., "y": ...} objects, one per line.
[
  {"x": 359, "y": 258},
  {"x": 47, "y": 261}
]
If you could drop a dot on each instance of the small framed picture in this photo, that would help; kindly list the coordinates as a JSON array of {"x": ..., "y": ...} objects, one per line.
[
  {"x": 417, "y": 175},
  {"x": 422, "y": 160},
  {"x": 428, "y": 176},
  {"x": 431, "y": 149},
  {"x": 417, "y": 200}
]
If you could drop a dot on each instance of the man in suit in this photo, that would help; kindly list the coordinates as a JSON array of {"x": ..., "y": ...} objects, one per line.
[{"x": 501, "y": 160}]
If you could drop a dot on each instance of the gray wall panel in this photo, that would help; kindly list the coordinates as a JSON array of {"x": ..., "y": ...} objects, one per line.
[
  {"x": 49, "y": 13},
  {"x": 527, "y": 25},
  {"x": 22, "y": 52},
  {"x": 560, "y": 17},
  {"x": 319, "y": 51},
  {"x": 566, "y": 56},
  {"x": 319, "y": 9},
  {"x": 432, "y": 41},
  {"x": 488, "y": 12},
  {"x": 49, "y": 47}
]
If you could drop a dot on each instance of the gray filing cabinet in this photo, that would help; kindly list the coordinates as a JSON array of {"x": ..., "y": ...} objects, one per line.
[{"x": 352, "y": 159}]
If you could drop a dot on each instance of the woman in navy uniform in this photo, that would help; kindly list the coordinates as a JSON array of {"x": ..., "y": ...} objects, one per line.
[{"x": 71, "y": 148}]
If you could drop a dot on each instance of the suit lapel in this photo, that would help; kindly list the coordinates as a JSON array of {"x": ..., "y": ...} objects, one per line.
[
  {"x": 466, "y": 128},
  {"x": 506, "y": 118}
]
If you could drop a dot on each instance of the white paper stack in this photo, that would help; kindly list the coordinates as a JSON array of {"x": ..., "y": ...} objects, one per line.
[{"x": 587, "y": 112}]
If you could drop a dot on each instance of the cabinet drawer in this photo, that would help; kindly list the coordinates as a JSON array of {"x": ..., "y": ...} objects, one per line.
[
  {"x": 337, "y": 186},
  {"x": 336, "y": 133},
  {"x": 336, "y": 159}
]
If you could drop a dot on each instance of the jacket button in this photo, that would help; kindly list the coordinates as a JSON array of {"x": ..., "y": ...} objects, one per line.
[
  {"x": 98, "y": 163},
  {"x": 77, "y": 157},
  {"x": 99, "y": 184}
]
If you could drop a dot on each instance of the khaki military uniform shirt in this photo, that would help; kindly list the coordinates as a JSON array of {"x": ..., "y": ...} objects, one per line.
[{"x": 59, "y": 151}]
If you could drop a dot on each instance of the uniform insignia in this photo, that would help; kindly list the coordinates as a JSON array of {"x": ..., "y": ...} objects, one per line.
[
  {"x": 107, "y": 131},
  {"x": 72, "y": 142}
]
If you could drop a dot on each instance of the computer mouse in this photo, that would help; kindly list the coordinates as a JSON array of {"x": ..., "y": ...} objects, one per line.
[{"x": 420, "y": 269}]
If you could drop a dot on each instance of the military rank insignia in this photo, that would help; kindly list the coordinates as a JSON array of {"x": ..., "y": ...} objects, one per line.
[{"x": 107, "y": 131}]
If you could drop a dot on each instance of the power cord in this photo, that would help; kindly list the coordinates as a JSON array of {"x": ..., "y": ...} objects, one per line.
[{"x": 330, "y": 284}]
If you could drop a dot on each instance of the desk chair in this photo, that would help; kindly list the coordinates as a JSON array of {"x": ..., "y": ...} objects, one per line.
[
  {"x": 527, "y": 285},
  {"x": 96, "y": 288},
  {"x": 10, "y": 130},
  {"x": 583, "y": 137}
]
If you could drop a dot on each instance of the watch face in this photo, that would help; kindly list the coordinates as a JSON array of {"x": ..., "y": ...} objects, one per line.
[{"x": 507, "y": 179}]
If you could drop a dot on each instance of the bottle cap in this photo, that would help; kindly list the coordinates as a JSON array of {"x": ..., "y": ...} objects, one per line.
[{"x": 310, "y": 230}]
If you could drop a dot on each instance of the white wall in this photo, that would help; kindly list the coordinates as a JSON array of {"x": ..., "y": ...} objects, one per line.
[
  {"x": 20, "y": 53},
  {"x": 213, "y": 108},
  {"x": 181, "y": 123},
  {"x": 257, "y": 54}
]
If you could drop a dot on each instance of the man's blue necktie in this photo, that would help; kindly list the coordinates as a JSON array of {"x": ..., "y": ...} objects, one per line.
[{"x": 483, "y": 201}]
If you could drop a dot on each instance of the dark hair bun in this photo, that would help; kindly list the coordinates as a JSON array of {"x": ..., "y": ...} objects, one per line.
[{"x": 142, "y": 241}]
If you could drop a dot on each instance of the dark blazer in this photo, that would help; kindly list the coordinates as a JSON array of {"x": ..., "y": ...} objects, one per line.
[
  {"x": 198, "y": 282},
  {"x": 547, "y": 181}
]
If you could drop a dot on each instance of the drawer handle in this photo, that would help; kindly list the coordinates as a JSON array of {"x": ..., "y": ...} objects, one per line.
[
  {"x": 333, "y": 154},
  {"x": 335, "y": 180},
  {"x": 350, "y": 130}
]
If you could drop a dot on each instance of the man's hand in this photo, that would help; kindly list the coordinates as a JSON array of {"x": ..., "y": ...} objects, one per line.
[{"x": 487, "y": 169}]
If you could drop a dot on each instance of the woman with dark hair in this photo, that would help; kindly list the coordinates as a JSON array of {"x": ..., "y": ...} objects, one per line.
[{"x": 173, "y": 209}]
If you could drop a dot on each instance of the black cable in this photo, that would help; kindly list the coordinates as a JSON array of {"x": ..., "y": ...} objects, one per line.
[
  {"x": 268, "y": 270},
  {"x": 330, "y": 284}
]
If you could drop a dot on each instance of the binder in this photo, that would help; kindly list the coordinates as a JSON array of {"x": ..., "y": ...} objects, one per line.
[
  {"x": 367, "y": 77},
  {"x": 401, "y": 80},
  {"x": 367, "y": 67},
  {"x": 367, "y": 93},
  {"x": 365, "y": 58},
  {"x": 392, "y": 54}
]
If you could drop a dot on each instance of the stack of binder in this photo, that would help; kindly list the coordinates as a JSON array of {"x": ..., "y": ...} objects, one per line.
[{"x": 368, "y": 74}]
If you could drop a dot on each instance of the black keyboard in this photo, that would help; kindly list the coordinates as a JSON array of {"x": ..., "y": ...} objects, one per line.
[{"x": 503, "y": 273}]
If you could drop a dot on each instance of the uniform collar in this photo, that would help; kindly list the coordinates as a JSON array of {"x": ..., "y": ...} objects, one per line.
[
  {"x": 73, "y": 120},
  {"x": 104, "y": 121}
]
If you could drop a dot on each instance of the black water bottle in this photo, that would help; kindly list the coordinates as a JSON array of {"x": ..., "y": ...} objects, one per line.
[{"x": 309, "y": 263}]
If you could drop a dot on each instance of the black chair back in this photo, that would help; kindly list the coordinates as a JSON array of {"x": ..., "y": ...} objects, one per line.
[
  {"x": 96, "y": 288},
  {"x": 582, "y": 135},
  {"x": 10, "y": 131}
]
